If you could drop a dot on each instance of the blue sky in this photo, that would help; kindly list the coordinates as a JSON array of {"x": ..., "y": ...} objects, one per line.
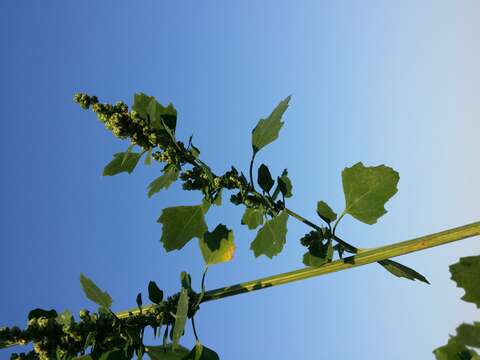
[{"x": 372, "y": 81}]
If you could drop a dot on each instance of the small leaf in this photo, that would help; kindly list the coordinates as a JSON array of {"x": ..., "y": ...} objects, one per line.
[
  {"x": 162, "y": 118},
  {"x": 466, "y": 273},
  {"x": 93, "y": 293},
  {"x": 265, "y": 178},
  {"x": 180, "y": 317},
  {"x": 318, "y": 254},
  {"x": 285, "y": 185},
  {"x": 253, "y": 217},
  {"x": 267, "y": 129},
  {"x": 36, "y": 313},
  {"x": 186, "y": 280},
  {"x": 201, "y": 352},
  {"x": 367, "y": 189},
  {"x": 271, "y": 237},
  {"x": 400, "y": 270},
  {"x": 454, "y": 351},
  {"x": 180, "y": 225},
  {"x": 154, "y": 293},
  {"x": 325, "y": 212},
  {"x": 170, "y": 175},
  {"x": 122, "y": 162},
  {"x": 148, "y": 158},
  {"x": 469, "y": 334},
  {"x": 139, "y": 301},
  {"x": 217, "y": 246},
  {"x": 161, "y": 353}
]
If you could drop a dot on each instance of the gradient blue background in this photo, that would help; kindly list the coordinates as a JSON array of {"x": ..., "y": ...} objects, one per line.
[{"x": 373, "y": 81}]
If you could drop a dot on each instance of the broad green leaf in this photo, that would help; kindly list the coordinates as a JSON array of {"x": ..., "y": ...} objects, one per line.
[
  {"x": 466, "y": 273},
  {"x": 367, "y": 189},
  {"x": 201, "y": 352},
  {"x": 469, "y": 334},
  {"x": 265, "y": 178},
  {"x": 161, "y": 353},
  {"x": 36, "y": 313},
  {"x": 162, "y": 118},
  {"x": 285, "y": 185},
  {"x": 267, "y": 129},
  {"x": 454, "y": 351},
  {"x": 170, "y": 175},
  {"x": 253, "y": 217},
  {"x": 93, "y": 293},
  {"x": 140, "y": 104},
  {"x": 180, "y": 225},
  {"x": 126, "y": 153},
  {"x": 148, "y": 158},
  {"x": 122, "y": 162},
  {"x": 217, "y": 246},
  {"x": 271, "y": 237},
  {"x": 180, "y": 317},
  {"x": 325, "y": 212},
  {"x": 403, "y": 271},
  {"x": 154, "y": 293},
  {"x": 65, "y": 318}
]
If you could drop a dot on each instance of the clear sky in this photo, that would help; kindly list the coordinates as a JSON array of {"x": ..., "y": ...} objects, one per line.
[{"x": 373, "y": 81}]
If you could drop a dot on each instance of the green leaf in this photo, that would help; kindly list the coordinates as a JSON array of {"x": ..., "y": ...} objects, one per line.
[
  {"x": 466, "y": 273},
  {"x": 36, "y": 313},
  {"x": 170, "y": 175},
  {"x": 454, "y": 351},
  {"x": 116, "y": 354},
  {"x": 185, "y": 280},
  {"x": 140, "y": 104},
  {"x": 325, "y": 212},
  {"x": 65, "y": 318},
  {"x": 201, "y": 352},
  {"x": 469, "y": 334},
  {"x": 154, "y": 293},
  {"x": 271, "y": 237},
  {"x": 318, "y": 254},
  {"x": 403, "y": 271},
  {"x": 139, "y": 301},
  {"x": 148, "y": 158},
  {"x": 265, "y": 178},
  {"x": 162, "y": 118},
  {"x": 285, "y": 185},
  {"x": 367, "y": 189},
  {"x": 180, "y": 317},
  {"x": 180, "y": 225},
  {"x": 161, "y": 353},
  {"x": 217, "y": 246},
  {"x": 253, "y": 217},
  {"x": 122, "y": 162},
  {"x": 267, "y": 129},
  {"x": 93, "y": 293}
]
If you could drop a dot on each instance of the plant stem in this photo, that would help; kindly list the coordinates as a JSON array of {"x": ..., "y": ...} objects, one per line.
[
  {"x": 251, "y": 170},
  {"x": 363, "y": 258}
]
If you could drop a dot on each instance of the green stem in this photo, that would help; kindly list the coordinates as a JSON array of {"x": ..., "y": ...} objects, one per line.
[{"x": 251, "y": 170}]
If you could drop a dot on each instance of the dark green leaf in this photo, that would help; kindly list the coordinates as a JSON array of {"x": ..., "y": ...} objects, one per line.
[
  {"x": 140, "y": 104},
  {"x": 36, "y": 313},
  {"x": 122, "y": 162},
  {"x": 180, "y": 317},
  {"x": 93, "y": 293},
  {"x": 154, "y": 293},
  {"x": 469, "y": 334},
  {"x": 201, "y": 352},
  {"x": 170, "y": 175},
  {"x": 114, "y": 355},
  {"x": 180, "y": 225},
  {"x": 325, "y": 212},
  {"x": 271, "y": 237},
  {"x": 400, "y": 270},
  {"x": 217, "y": 246},
  {"x": 285, "y": 185},
  {"x": 186, "y": 280},
  {"x": 139, "y": 301},
  {"x": 318, "y": 254},
  {"x": 267, "y": 129},
  {"x": 265, "y": 178},
  {"x": 162, "y": 118},
  {"x": 367, "y": 189},
  {"x": 454, "y": 351},
  {"x": 161, "y": 353},
  {"x": 466, "y": 273},
  {"x": 253, "y": 217}
]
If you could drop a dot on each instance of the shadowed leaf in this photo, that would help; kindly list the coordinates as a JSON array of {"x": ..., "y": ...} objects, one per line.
[
  {"x": 217, "y": 246},
  {"x": 180, "y": 318},
  {"x": 161, "y": 353},
  {"x": 403, "y": 271},
  {"x": 271, "y": 237},
  {"x": 253, "y": 217},
  {"x": 466, "y": 273},
  {"x": 154, "y": 293}
]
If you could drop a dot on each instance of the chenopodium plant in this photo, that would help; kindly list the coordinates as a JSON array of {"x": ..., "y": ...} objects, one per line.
[
  {"x": 466, "y": 273},
  {"x": 150, "y": 129}
]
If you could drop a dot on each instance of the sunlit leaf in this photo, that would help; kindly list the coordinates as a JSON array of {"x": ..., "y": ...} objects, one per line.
[
  {"x": 454, "y": 351},
  {"x": 469, "y": 334},
  {"x": 271, "y": 237},
  {"x": 367, "y": 189},
  {"x": 94, "y": 293},
  {"x": 403, "y": 271},
  {"x": 253, "y": 217},
  {"x": 217, "y": 246},
  {"x": 325, "y": 212},
  {"x": 170, "y": 175},
  {"x": 180, "y": 317},
  {"x": 180, "y": 225},
  {"x": 267, "y": 129}
]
